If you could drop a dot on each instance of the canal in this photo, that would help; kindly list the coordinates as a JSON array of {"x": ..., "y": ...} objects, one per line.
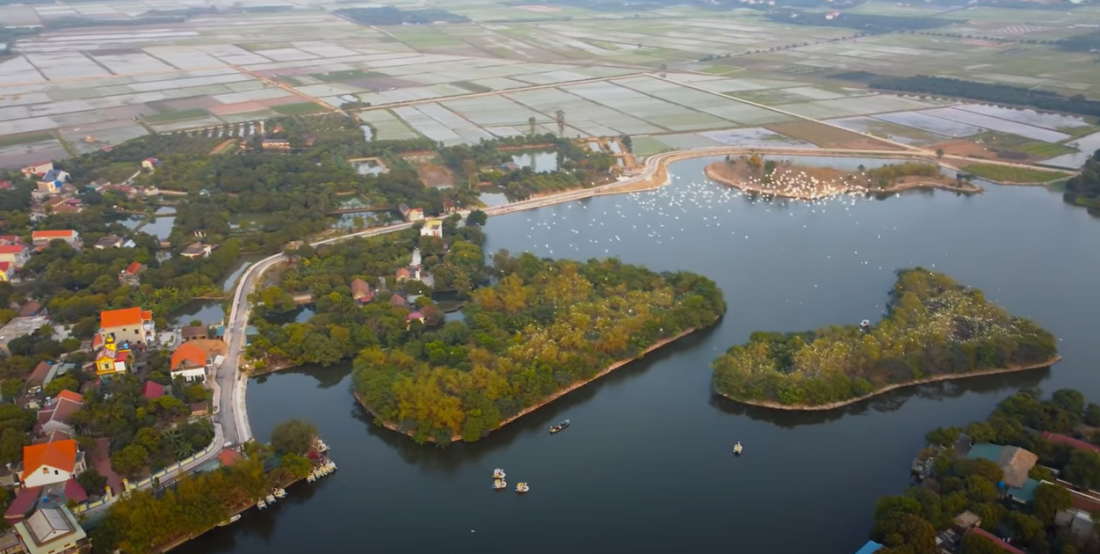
[{"x": 647, "y": 464}]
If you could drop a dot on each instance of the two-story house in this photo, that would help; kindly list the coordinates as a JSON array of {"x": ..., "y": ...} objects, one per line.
[
  {"x": 42, "y": 239},
  {"x": 128, "y": 325},
  {"x": 51, "y": 462},
  {"x": 189, "y": 362}
]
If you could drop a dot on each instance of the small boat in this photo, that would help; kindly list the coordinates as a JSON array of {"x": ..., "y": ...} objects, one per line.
[
  {"x": 311, "y": 477},
  {"x": 522, "y": 488},
  {"x": 498, "y": 473},
  {"x": 261, "y": 505},
  {"x": 737, "y": 449},
  {"x": 559, "y": 427},
  {"x": 270, "y": 499},
  {"x": 230, "y": 520},
  {"x": 279, "y": 493},
  {"x": 499, "y": 484},
  {"x": 865, "y": 323}
]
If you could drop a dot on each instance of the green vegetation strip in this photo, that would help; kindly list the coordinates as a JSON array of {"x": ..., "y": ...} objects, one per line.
[
  {"x": 1012, "y": 174},
  {"x": 25, "y": 138},
  {"x": 934, "y": 327},
  {"x": 193, "y": 113},
  {"x": 303, "y": 108}
]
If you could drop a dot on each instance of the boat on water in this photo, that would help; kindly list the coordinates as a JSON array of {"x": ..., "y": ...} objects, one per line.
[
  {"x": 498, "y": 473},
  {"x": 865, "y": 323},
  {"x": 737, "y": 449},
  {"x": 261, "y": 505},
  {"x": 522, "y": 488},
  {"x": 279, "y": 493},
  {"x": 230, "y": 520},
  {"x": 559, "y": 427},
  {"x": 311, "y": 477},
  {"x": 499, "y": 484},
  {"x": 270, "y": 499}
]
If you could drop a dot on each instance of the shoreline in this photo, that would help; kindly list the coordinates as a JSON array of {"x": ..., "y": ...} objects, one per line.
[
  {"x": 616, "y": 365},
  {"x": 773, "y": 405},
  {"x": 715, "y": 176}
]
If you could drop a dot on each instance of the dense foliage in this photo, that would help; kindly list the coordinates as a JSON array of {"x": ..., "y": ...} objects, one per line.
[
  {"x": 340, "y": 327},
  {"x": 908, "y": 523},
  {"x": 933, "y": 326},
  {"x": 293, "y": 437},
  {"x": 870, "y": 23},
  {"x": 986, "y": 92},
  {"x": 1084, "y": 188},
  {"x": 545, "y": 326}
]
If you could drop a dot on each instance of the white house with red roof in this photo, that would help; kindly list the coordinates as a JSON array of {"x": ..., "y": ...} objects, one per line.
[
  {"x": 7, "y": 271},
  {"x": 42, "y": 239},
  {"x": 131, "y": 275},
  {"x": 15, "y": 254},
  {"x": 51, "y": 462},
  {"x": 37, "y": 170}
]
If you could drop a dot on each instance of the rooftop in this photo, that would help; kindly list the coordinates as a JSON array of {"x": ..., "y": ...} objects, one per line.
[
  {"x": 190, "y": 354},
  {"x": 1078, "y": 444},
  {"x": 997, "y": 541},
  {"x": 870, "y": 547},
  {"x": 121, "y": 318},
  {"x": 50, "y": 235},
  {"x": 60, "y": 455}
]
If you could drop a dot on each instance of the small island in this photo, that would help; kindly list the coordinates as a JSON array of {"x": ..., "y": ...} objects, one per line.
[
  {"x": 546, "y": 328},
  {"x": 786, "y": 179},
  {"x": 935, "y": 329}
]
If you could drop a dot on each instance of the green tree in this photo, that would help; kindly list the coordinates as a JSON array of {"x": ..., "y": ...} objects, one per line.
[
  {"x": 277, "y": 299},
  {"x": 12, "y": 442},
  {"x": 1083, "y": 469},
  {"x": 973, "y": 543},
  {"x": 293, "y": 436},
  {"x": 129, "y": 460},
  {"x": 91, "y": 481},
  {"x": 1049, "y": 500},
  {"x": 1092, "y": 415},
  {"x": 939, "y": 152},
  {"x": 64, "y": 382},
  {"x": 477, "y": 217},
  {"x": 943, "y": 436}
]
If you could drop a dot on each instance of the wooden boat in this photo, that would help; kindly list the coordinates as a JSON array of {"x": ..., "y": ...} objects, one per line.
[
  {"x": 230, "y": 520},
  {"x": 737, "y": 449},
  {"x": 559, "y": 427}
]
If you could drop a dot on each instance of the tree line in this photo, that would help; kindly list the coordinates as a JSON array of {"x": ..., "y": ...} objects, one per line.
[
  {"x": 1083, "y": 189},
  {"x": 933, "y": 326}
]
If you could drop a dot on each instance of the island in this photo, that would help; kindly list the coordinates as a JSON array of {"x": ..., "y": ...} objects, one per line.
[
  {"x": 1025, "y": 476},
  {"x": 545, "y": 328},
  {"x": 786, "y": 179},
  {"x": 935, "y": 329}
]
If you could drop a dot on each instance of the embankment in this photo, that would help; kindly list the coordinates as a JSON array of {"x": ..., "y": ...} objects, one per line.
[{"x": 771, "y": 404}]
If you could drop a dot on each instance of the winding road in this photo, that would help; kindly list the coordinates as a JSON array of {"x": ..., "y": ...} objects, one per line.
[{"x": 233, "y": 413}]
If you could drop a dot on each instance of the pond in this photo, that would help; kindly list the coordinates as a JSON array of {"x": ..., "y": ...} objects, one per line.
[
  {"x": 160, "y": 227},
  {"x": 542, "y": 160},
  {"x": 646, "y": 465},
  {"x": 209, "y": 312},
  {"x": 369, "y": 168}
]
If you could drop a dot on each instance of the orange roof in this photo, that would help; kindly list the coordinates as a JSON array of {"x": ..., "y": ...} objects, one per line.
[
  {"x": 123, "y": 317},
  {"x": 60, "y": 455},
  {"x": 11, "y": 248},
  {"x": 70, "y": 395},
  {"x": 133, "y": 268},
  {"x": 190, "y": 353},
  {"x": 36, "y": 235}
]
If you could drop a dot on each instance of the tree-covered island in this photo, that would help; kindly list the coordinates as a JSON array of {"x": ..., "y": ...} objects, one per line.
[
  {"x": 546, "y": 328},
  {"x": 934, "y": 329}
]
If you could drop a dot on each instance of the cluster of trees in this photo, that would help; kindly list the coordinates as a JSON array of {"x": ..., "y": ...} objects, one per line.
[
  {"x": 143, "y": 432},
  {"x": 1084, "y": 188},
  {"x": 389, "y": 15},
  {"x": 341, "y": 327},
  {"x": 891, "y": 173},
  {"x": 1089, "y": 42},
  {"x": 933, "y": 326},
  {"x": 985, "y": 92},
  {"x": 578, "y": 167},
  {"x": 908, "y": 523},
  {"x": 545, "y": 326},
  {"x": 194, "y": 504}
]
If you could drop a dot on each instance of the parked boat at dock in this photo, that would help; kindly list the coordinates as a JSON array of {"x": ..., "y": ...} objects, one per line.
[
  {"x": 230, "y": 520},
  {"x": 261, "y": 505},
  {"x": 559, "y": 427},
  {"x": 270, "y": 499},
  {"x": 279, "y": 493}
]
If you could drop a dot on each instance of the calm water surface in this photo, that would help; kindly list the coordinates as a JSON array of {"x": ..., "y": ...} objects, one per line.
[{"x": 646, "y": 465}]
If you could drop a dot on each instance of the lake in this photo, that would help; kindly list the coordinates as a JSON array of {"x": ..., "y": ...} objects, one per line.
[{"x": 647, "y": 464}]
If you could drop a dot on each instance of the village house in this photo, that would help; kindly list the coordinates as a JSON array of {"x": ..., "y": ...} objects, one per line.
[
  {"x": 55, "y": 415},
  {"x": 37, "y": 170},
  {"x": 37, "y": 379},
  {"x": 1015, "y": 463},
  {"x": 16, "y": 254},
  {"x": 52, "y": 181},
  {"x": 402, "y": 274},
  {"x": 99, "y": 184},
  {"x": 189, "y": 362},
  {"x": 152, "y": 390},
  {"x": 150, "y": 164},
  {"x": 52, "y": 462},
  {"x": 413, "y": 316},
  {"x": 197, "y": 250},
  {"x": 361, "y": 291},
  {"x": 42, "y": 239},
  {"x": 433, "y": 228},
  {"x": 7, "y": 271},
  {"x": 196, "y": 332},
  {"x": 22, "y": 325},
  {"x": 276, "y": 144},
  {"x": 5, "y": 185},
  {"x": 131, "y": 275},
  {"x": 449, "y": 206},
  {"x": 109, "y": 241},
  {"x": 128, "y": 325},
  {"x": 398, "y": 301},
  {"x": 112, "y": 359},
  {"x": 52, "y": 530},
  {"x": 410, "y": 214}
]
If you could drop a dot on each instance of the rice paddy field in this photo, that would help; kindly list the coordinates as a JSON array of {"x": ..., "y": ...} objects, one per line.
[{"x": 674, "y": 77}]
